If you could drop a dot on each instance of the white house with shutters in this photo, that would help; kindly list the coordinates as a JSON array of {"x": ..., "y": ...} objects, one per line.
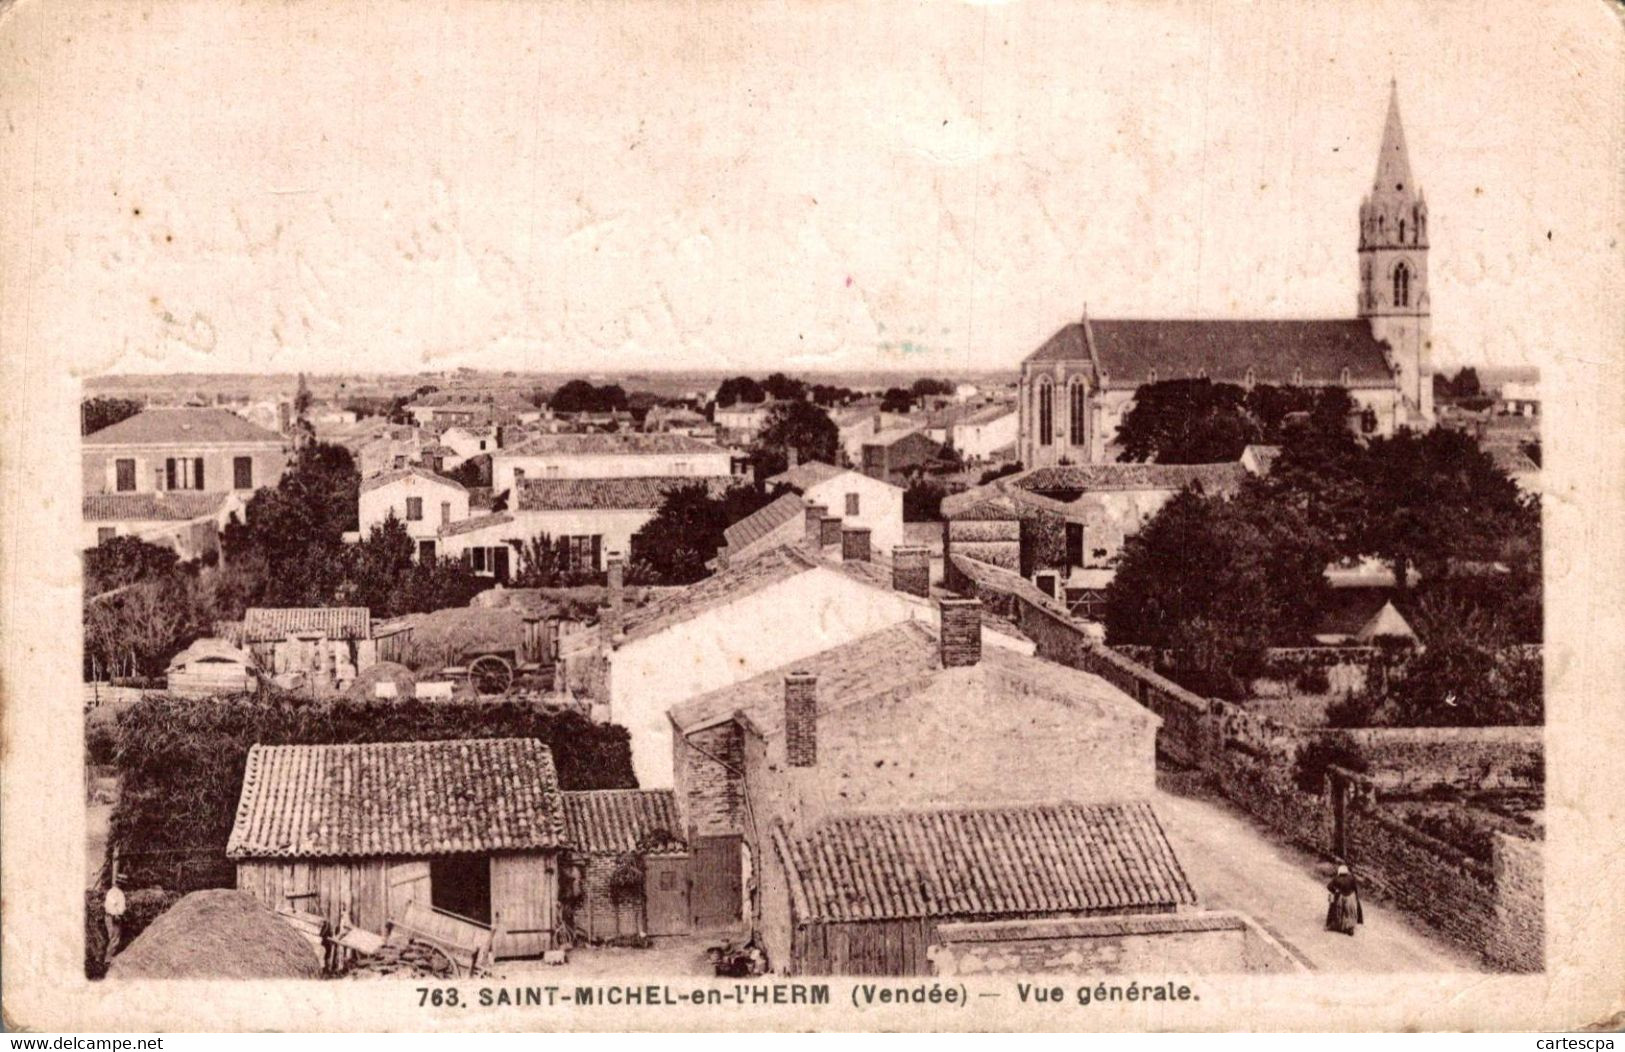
[{"x": 424, "y": 502}]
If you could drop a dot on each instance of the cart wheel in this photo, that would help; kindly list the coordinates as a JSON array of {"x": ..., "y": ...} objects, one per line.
[
  {"x": 490, "y": 674},
  {"x": 439, "y": 964}
]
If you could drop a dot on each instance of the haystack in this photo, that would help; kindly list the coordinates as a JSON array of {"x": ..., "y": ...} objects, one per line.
[
  {"x": 365, "y": 685},
  {"x": 218, "y": 934}
]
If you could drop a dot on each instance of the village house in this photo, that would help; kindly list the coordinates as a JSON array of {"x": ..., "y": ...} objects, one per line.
[
  {"x": 784, "y": 604},
  {"x": 190, "y": 523},
  {"x": 857, "y": 499},
  {"x": 980, "y": 436},
  {"x": 628, "y": 864},
  {"x": 467, "y": 407},
  {"x": 1076, "y": 388},
  {"x": 740, "y": 423},
  {"x": 1060, "y": 527},
  {"x": 472, "y": 830},
  {"x": 467, "y": 442},
  {"x": 593, "y": 519},
  {"x": 887, "y": 759},
  {"x": 604, "y": 456},
  {"x": 902, "y": 455},
  {"x": 388, "y": 447},
  {"x": 424, "y": 502},
  {"x": 182, "y": 450}
]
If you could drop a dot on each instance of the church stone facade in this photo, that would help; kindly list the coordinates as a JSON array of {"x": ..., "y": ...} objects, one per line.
[{"x": 1076, "y": 388}]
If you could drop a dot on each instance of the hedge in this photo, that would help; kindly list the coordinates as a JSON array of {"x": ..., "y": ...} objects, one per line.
[{"x": 181, "y": 761}]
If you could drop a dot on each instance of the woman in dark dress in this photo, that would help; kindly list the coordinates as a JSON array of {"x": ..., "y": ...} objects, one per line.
[{"x": 1344, "y": 912}]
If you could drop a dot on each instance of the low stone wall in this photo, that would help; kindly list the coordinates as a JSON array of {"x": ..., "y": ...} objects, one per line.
[
  {"x": 1494, "y": 910},
  {"x": 1206, "y": 943}
]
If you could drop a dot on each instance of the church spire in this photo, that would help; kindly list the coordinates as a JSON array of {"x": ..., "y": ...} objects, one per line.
[{"x": 1393, "y": 162}]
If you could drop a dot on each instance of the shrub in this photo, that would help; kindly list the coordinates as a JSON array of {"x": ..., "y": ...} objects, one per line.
[
  {"x": 1313, "y": 679},
  {"x": 1309, "y": 770}
]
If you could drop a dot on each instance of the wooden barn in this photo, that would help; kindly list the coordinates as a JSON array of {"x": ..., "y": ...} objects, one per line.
[
  {"x": 473, "y": 828},
  {"x": 628, "y": 864}
]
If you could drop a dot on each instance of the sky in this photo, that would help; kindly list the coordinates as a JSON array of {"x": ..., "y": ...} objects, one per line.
[{"x": 523, "y": 185}]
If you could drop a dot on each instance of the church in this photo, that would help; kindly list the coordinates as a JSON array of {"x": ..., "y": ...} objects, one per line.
[{"x": 1076, "y": 388}]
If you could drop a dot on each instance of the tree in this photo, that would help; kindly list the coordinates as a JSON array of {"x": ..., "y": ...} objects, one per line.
[
  {"x": 1202, "y": 422},
  {"x": 922, "y": 501},
  {"x": 302, "y": 397},
  {"x": 146, "y": 624},
  {"x": 541, "y": 564},
  {"x": 579, "y": 396},
  {"x": 925, "y": 387},
  {"x": 125, "y": 560},
  {"x": 1217, "y": 582},
  {"x": 100, "y": 412},
  {"x": 738, "y": 389},
  {"x": 801, "y": 426},
  {"x": 783, "y": 388},
  {"x": 686, "y": 532},
  {"x": 896, "y": 400}
]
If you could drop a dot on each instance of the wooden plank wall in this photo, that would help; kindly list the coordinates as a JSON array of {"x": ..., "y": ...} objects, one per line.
[
  {"x": 895, "y": 947},
  {"x": 524, "y": 903},
  {"x": 327, "y": 888}
]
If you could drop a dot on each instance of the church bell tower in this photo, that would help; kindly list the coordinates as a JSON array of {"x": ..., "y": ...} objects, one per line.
[{"x": 1394, "y": 268}]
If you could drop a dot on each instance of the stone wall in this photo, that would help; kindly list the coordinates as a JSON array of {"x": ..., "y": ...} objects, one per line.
[
  {"x": 599, "y": 913},
  {"x": 1207, "y": 943},
  {"x": 705, "y": 771},
  {"x": 1494, "y": 910}
]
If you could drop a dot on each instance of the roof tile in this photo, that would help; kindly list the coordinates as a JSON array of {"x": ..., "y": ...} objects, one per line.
[
  {"x": 635, "y": 493},
  {"x": 616, "y": 821},
  {"x": 181, "y": 427},
  {"x": 168, "y": 506},
  {"x": 264, "y": 624}
]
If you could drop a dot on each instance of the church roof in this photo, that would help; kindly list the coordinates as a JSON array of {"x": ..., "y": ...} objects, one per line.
[{"x": 1278, "y": 352}]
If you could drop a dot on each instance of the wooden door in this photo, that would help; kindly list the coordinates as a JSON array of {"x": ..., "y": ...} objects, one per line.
[
  {"x": 408, "y": 882},
  {"x": 714, "y": 882},
  {"x": 665, "y": 894},
  {"x": 523, "y": 890}
]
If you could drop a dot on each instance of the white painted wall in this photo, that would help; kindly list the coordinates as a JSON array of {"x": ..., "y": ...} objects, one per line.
[
  {"x": 376, "y": 504},
  {"x": 981, "y": 441},
  {"x": 615, "y": 526},
  {"x": 880, "y": 507},
  {"x": 605, "y": 466},
  {"x": 792, "y": 619}
]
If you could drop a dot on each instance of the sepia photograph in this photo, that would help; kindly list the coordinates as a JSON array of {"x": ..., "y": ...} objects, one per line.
[{"x": 599, "y": 506}]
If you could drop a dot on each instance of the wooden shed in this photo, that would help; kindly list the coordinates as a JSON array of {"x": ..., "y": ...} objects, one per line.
[
  {"x": 628, "y": 863},
  {"x": 472, "y": 827}
]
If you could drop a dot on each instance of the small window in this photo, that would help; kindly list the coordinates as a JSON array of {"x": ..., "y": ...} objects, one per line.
[
  {"x": 1297, "y": 378},
  {"x": 1151, "y": 377},
  {"x": 242, "y": 472},
  {"x": 425, "y": 551},
  {"x": 414, "y": 509},
  {"x": 852, "y": 504},
  {"x": 1074, "y": 544},
  {"x": 105, "y": 534},
  {"x": 1343, "y": 377},
  {"x": 445, "y": 513},
  {"x": 552, "y": 471},
  {"x": 1252, "y": 378},
  {"x": 518, "y": 475},
  {"x": 1368, "y": 421},
  {"x": 124, "y": 470},
  {"x": 478, "y": 560}
]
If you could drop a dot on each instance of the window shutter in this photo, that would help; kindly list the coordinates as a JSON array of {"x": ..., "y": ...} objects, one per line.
[
  {"x": 169, "y": 473},
  {"x": 597, "y": 550},
  {"x": 197, "y": 472},
  {"x": 499, "y": 562}
]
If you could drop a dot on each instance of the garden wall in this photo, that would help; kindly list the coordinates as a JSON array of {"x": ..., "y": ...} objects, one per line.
[{"x": 1494, "y": 910}]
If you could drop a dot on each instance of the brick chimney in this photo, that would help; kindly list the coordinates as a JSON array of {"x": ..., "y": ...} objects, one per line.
[
  {"x": 960, "y": 632},
  {"x": 617, "y": 597},
  {"x": 815, "y": 526},
  {"x": 855, "y": 544},
  {"x": 911, "y": 570},
  {"x": 829, "y": 531},
  {"x": 801, "y": 719}
]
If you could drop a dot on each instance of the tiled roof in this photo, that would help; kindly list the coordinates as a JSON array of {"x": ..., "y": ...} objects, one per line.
[
  {"x": 480, "y": 497},
  {"x": 903, "y": 656},
  {"x": 619, "y": 444},
  {"x": 762, "y": 522},
  {"x": 168, "y": 506},
  {"x": 1276, "y": 351},
  {"x": 616, "y": 821},
  {"x": 263, "y": 624},
  {"x": 181, "y": 427},
  {"x": 810, "y": 473},
  {"x": 1004, "y": 862},
  {"x": 988, "y": 414},
  {"x": 478, "y": 522},
  {"x": 738, "y": 580},
  {"x": 1004, "y": 582},
  {"x": 403, "y": 799},
  {"x": 634, "y": 493},
  {"x": 1214, "y": 478},
  {"x": 387, "y": 477}
]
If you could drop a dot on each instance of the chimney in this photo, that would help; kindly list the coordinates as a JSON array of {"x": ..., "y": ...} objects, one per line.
[
  {"x": 801, "y": 719},
  {"x": 960, "y": 632},
  {"x": 911, "y": 570},
  {"x": 830, "y": 533},
  {"x": 617, "y": 597},
  {"x": 815, "y": 526},
  {"x": 855, "y": 544},
  {"x": 722, "y": 557},
  {"x": 793, "y": 456}
]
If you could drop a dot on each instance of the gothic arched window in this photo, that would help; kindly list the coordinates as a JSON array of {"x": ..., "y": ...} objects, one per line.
[
  {"x": 1402, "y": 285},
  {"x": 1075, "y": 413},
  {"x": 1046, "y": 413}
]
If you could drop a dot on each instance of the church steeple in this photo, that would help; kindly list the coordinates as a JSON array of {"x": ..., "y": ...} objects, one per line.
[{"x": 1394, "y": 262}]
